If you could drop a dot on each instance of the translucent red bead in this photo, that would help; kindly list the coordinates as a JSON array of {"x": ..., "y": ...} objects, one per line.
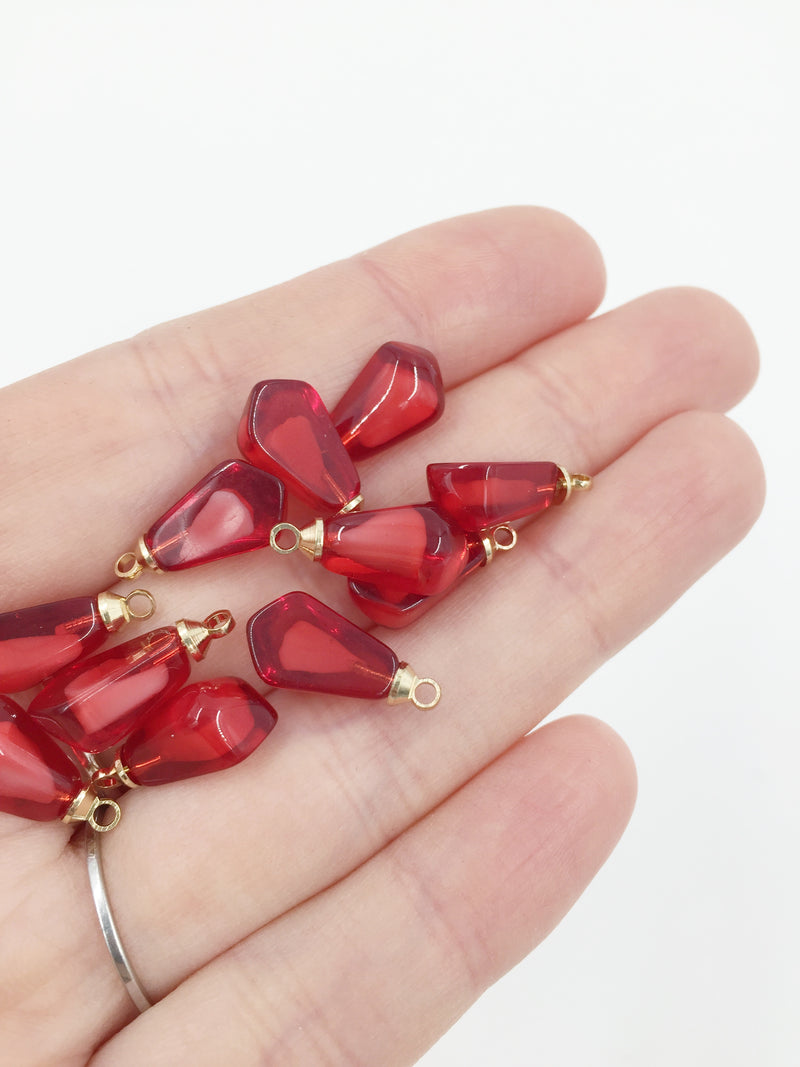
[
  {"x": 94, "y": 704},
  {"x": 478, "y": 496},
  {"x": 389, "y": 607},
  {"x": 129, "y": 702},
  {"x": 411, "y": 548},
  {"x": 231, "y": 510},
  {"x": 207, "y": 727},
  {"x": 36, "y": 642},
  {"x": 297, "y": 642},
  {"x": 398, "y": 393},
  {"x": 287, "y": 431},
  {"x": 397, "y": 609},
  {"x": 37, "y": 779}
]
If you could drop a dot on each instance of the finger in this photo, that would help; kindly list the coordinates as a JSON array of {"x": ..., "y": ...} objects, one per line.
[
  {"x": 133, "y": 425},
  {"x": 379, "y": 966},
  {"x": 583, "y": 396},
  {"x": 616, "y": 376},
  {"x": 54, "y": 1008},
  {"x": 207, "y": 892},
  {"x": 689, "y": 349},
  {"x": 305, "y": 786},
  {"x": 338, "y": 780}
]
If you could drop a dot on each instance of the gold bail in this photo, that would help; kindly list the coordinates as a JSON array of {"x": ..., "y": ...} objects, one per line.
[
  {"x": 501, "y": 539},
  {"x": 404, "y": 687},
  {"x": 87, "y": 807},
  {"x": 120, "y": 772},
  {"x": 131, "y": 564},
  {"x": 115, "y": 610},
  {"x": 308, "y": 540},
  {"x": 196, "y": 636},
  {"x": 573, "y": 481},
  {"x": 351, "y": 505}
]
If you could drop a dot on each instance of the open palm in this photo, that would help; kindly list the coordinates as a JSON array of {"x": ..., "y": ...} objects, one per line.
[{"x": 344, "y": 894}]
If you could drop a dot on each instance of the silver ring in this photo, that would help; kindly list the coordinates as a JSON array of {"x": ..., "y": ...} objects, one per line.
[{"x": 107, "y": 924}]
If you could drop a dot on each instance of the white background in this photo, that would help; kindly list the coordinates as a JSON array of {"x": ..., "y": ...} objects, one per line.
[{"x": 161, "y": 157}]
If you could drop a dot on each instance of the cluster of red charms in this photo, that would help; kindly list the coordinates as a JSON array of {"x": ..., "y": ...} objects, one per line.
[{"x": 125, "y": 717}]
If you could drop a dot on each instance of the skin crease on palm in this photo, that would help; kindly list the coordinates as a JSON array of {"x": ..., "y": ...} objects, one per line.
[{"x": 348, "y": 891}]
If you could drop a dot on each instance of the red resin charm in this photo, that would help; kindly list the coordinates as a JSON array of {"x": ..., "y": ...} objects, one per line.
[
  {"x": 397, "y": 609},
  {"x": 412, "y": 548},
  {"x": 478, "y": 496},
  {"x": 36, "y": 642},
  {"x": 208, "y": 726},
  {"x": 398, "y": 393},
  {"x": 37, "y": 780},
  {"x": 287, "y": 431},
  {"x": 299, "y": 643},
  {"x": 230, "y": 511},
  {"x": 93, "y": 704}
]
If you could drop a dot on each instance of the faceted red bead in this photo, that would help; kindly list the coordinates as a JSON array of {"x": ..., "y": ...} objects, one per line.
[
  {"x": 478, "y": 496},
  {"x": 37, "y": 780},
  {"x": 36, "y": 642},
  {"x": 396, "y": 609},
  {"x": 413, "y": 548},
  {"x": 93, "y": 704},
  {"x": 232, "y": 510},
  {"x": 398, "y": 393},
  {"x": 299, "y": 643},
  {"x": 208, "y": 726},
  {"x": 287, "y": 431}
]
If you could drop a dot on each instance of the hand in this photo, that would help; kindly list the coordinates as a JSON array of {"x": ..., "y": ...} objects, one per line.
[{"x": 348, "y": 891}]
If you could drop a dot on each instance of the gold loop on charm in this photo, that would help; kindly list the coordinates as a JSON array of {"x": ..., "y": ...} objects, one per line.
[
  {"x": 309, "y": 540},
  {"x": 119, "y": 774},
  {"x": 104, "y": 779},
  {"x": 423, "y": 705},
  {"x": 219, "y": 623},
  {"x": 149, "y": 610},
  {"x": 196, "y": 636},
  {"x": 573, "y": 481},
  {"x": 351, "y": 505},
  {"x": 492, "y": 544},
  {"x": 114, "y": 778},
  {"x": 86, "y": 807},
  {"x": 405, "y": 684},
  {"x": 275, "y": 533},
  {"x": 508, "y": 532},
  {"x": 103, "y": 803},
  {"x": 131, "y": 564},
  {"x": 115, "y": 609},
  {"x": 128, "y": 566}
]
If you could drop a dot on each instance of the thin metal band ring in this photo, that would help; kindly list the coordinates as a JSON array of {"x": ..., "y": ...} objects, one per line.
[{"x": 107, "y": 924}]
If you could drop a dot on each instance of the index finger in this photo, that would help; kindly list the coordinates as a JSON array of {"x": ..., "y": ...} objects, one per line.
[{"x": 108, "y": 439}]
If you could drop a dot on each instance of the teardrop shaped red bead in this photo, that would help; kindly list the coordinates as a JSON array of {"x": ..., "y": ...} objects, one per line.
[
  {"x": 287, "y": 431},
  {"x": 395, "y": 608},
  {"x": 479, "y": 496},
  {"x": 92, "y": 705},
  {"x": 36, "y": 642},
  {"x": 297, "y": 642},
  {"x": 398, "y": 393},
  {"x": 413, "y": 548},
  {"x": 207, "y": 727},
  {"x": 231, "y": 510},
  {"x": 37, "y": 779}
]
